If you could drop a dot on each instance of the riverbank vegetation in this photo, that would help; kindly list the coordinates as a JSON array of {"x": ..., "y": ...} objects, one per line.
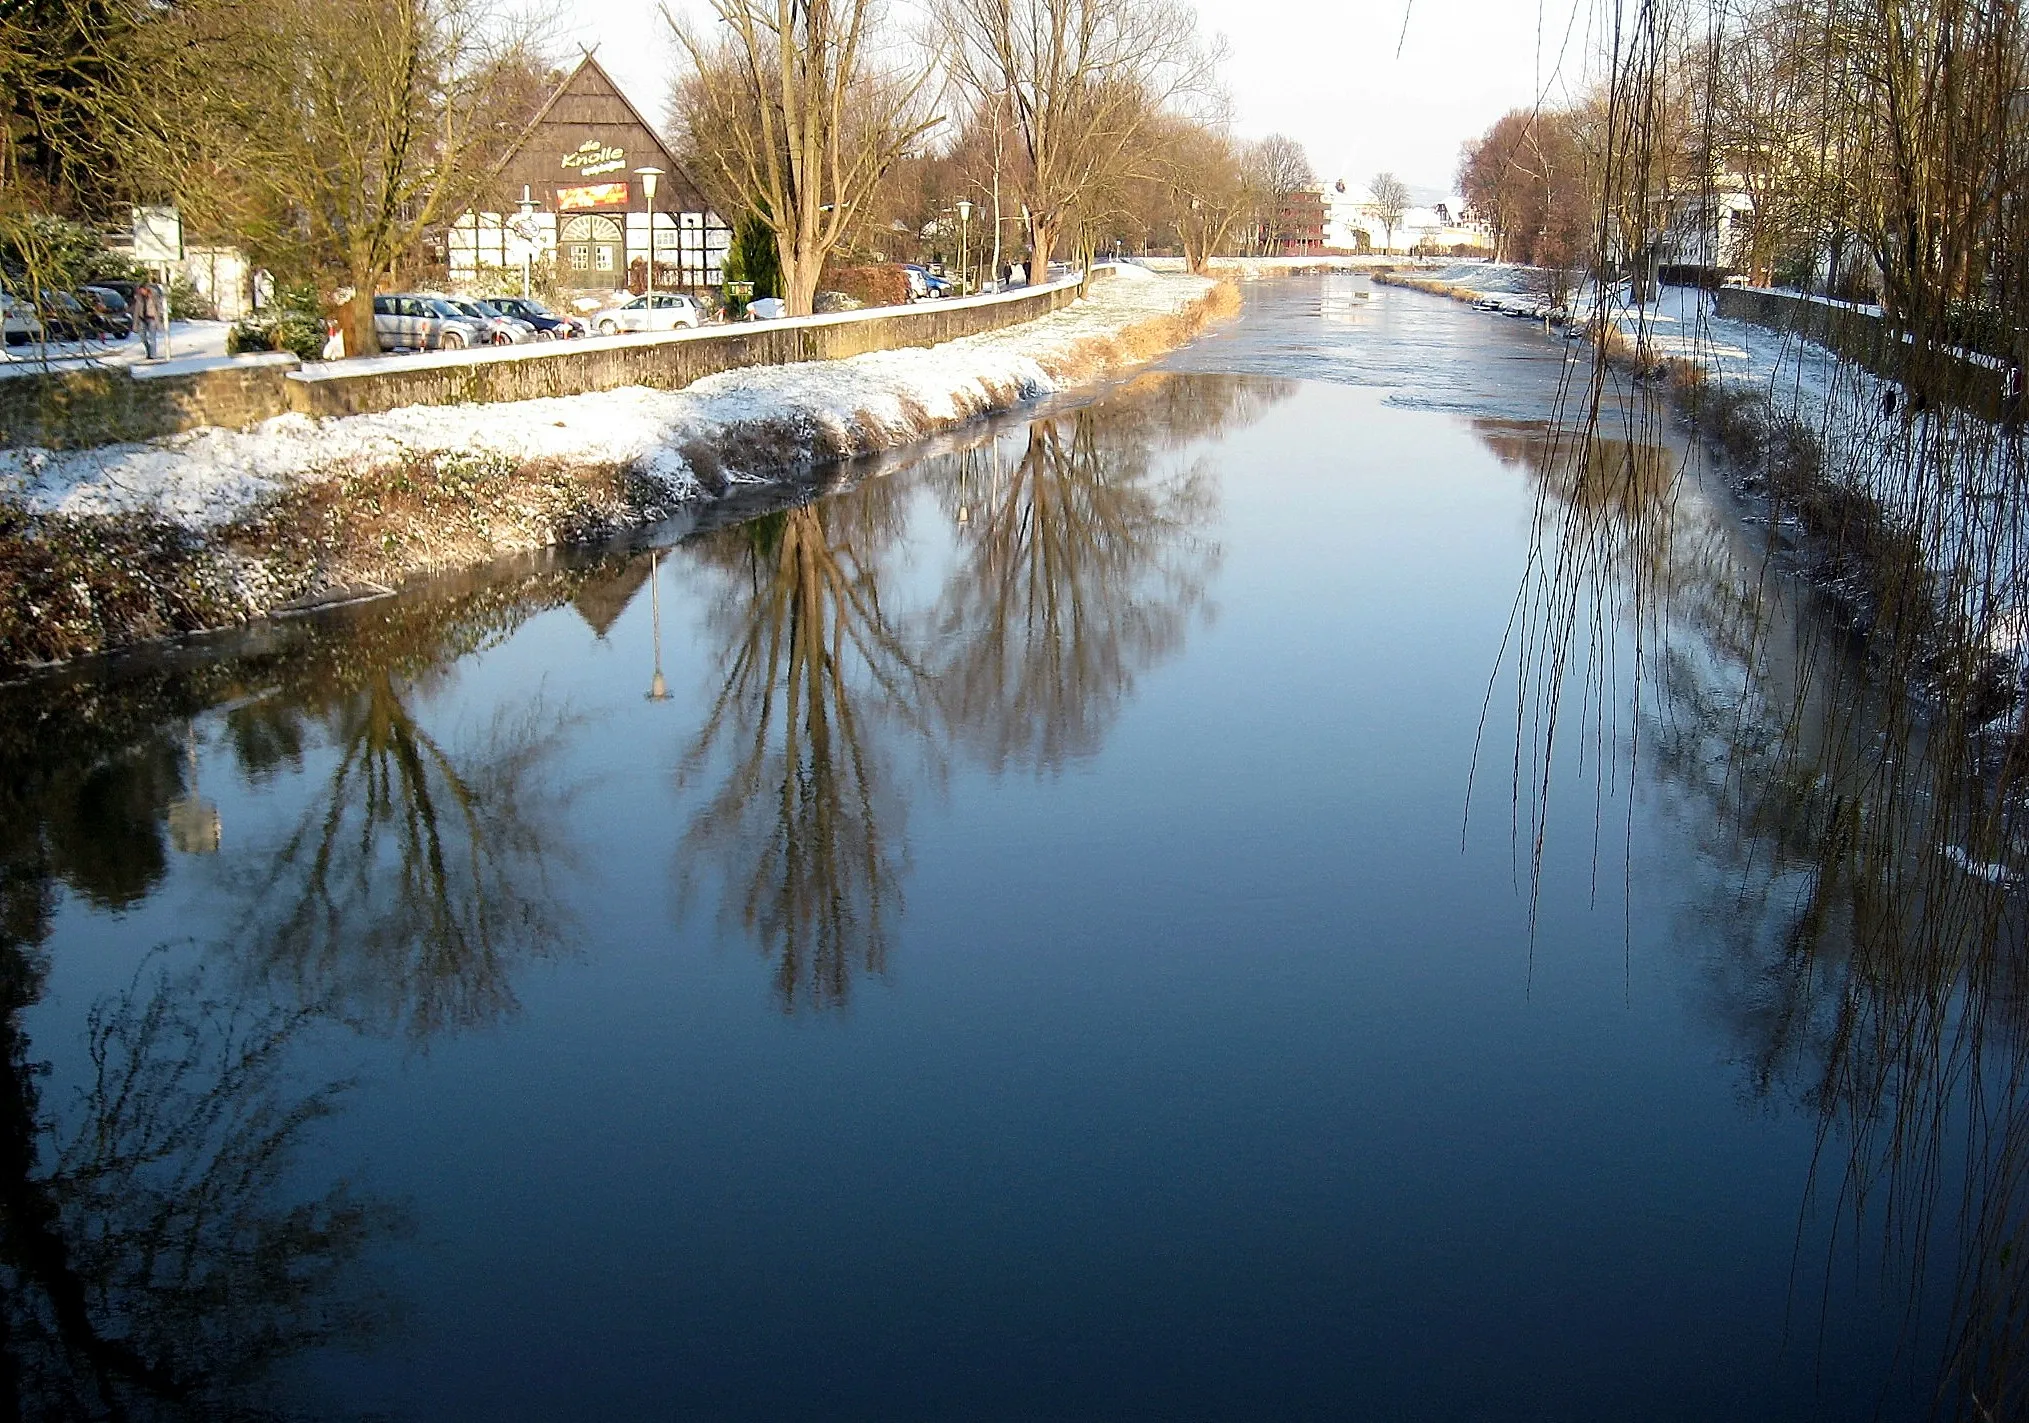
[
  {"x": 372, "y": 501},
  {"x": 1871, "y": 150}
]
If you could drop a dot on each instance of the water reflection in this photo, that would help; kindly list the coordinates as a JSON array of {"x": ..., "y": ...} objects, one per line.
[
  {"x": 155, "y": 1262},
  {"x": 1083, "y": 558},
  {"x": 1868, "y": 931},
  {"x": 160, "y": 1257},
  {"x": 805, "y": 828},
  {"x": 1081, "y": 555}
]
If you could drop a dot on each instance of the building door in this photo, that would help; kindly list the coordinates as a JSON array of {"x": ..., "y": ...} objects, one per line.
[{"x": 591, "y": 247}]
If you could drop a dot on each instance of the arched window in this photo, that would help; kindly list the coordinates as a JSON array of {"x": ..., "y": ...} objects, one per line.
[{"x": 591, "y": 246}]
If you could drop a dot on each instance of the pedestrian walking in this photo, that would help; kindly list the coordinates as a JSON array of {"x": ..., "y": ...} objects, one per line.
[{"x": 151, "y": 314}]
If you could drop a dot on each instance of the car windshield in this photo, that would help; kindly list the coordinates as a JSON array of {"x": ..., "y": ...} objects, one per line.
[
  {"x": 441, "y": 308},
  {"x": 531, "y": 308},
  {"x": 485, "y": 309},
  {"x": 110, "y": 300}
]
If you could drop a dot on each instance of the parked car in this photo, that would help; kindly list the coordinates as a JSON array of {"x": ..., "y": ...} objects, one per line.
[
  {"x": 110, "y": 311},
  {"x": 670, "y": 310},
  {"x": 924, "y": 283},
  {"x": 548, "y": 325},
  {"x": 497, "y": 328},
  {"x": 19, "y": 324},
  {"x": 64, "y": 317},
  {"x": 423, "y": 323},
  {"x": 767, "y": 308}
]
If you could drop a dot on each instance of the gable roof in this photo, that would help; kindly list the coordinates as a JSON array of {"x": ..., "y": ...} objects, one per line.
[{"x": 589, "y": 63}]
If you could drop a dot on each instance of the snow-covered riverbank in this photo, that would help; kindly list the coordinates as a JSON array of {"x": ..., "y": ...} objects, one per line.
[
  {"x": 247, "y": 521},
  {"x": 1899, "y": 509}
]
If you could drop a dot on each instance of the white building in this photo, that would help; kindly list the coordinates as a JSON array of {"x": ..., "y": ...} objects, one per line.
[{"x": 1438, "y": 227}]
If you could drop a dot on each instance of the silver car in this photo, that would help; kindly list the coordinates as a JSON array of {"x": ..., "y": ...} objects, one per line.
[
  {"x": 414, "y": 322},
  {"x": 669, "y": 311},
  {"x": 498, "y": 327}
]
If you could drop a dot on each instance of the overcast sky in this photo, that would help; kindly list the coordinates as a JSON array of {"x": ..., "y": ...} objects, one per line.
[{"x": 1323, "y": 71}]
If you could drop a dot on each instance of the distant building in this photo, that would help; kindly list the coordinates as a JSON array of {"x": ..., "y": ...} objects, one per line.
[
  {"x": 1711, "y": 230},
  {"x": 1437, "y": 228},
  {"x": 1300, "y": 223},
  {"x": 568, "y": 193}
]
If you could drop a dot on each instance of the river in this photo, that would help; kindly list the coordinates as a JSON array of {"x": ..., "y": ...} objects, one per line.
[{"x": 1087, "y": 919}]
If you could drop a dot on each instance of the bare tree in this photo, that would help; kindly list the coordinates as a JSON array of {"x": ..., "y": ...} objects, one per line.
[
  {"x": 1277, "y": 170},
  {"x": 332, "y": 135},
  {"x": 1209, "y": 192},
  {"x": 1083, "y": 79},
  {"x": 796, "y": 111},
  {"x": 1390, "y": 200}
]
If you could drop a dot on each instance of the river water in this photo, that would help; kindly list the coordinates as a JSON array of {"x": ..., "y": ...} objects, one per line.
[{"x": 1055, "y": 926}]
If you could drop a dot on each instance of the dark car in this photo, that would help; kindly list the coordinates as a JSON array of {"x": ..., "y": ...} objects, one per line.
[
  {"x": 548, "y": 325},
  {"x": 110, "y": 311},
  {"x": 120, "y": 287},
  {"x": 64, "y": 317}
]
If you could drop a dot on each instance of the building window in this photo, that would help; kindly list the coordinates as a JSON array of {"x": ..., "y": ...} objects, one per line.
[
  {"x": 604, "y": 255},
  {"x": 581, "y": 258}
]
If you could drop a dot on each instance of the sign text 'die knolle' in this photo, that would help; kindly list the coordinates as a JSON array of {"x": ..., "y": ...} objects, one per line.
[{"x": 593, "y": 158}]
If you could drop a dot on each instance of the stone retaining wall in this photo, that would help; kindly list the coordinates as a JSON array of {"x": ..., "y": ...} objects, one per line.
[
  {"x": 1865, "y": 339},
  {"x": 77, "y": 409},
  {"x": 109, "y": 405}
]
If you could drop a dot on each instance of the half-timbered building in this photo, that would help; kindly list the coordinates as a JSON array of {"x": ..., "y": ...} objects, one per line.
[{"x": 572, "y": 192}]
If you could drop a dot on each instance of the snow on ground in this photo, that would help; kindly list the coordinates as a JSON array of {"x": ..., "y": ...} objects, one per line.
[
  {"x": 187, "y": 340},
  {"x": 1963, "y": 515},
  {"x": 208, "y": 477}
]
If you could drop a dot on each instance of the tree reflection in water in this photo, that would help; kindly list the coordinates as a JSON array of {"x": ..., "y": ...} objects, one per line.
[
  {"x": 1080, "y": 560},
  {"x": 154, "y": 1261},
  {"x": 420, "y": 873},
  {"x": 1870, "y": 931},
  {"x": 154, "y": 1264},
  {"x": 805, "y": 827}
]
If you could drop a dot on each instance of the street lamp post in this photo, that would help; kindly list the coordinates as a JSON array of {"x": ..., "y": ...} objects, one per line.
[
  {"x": 527, "y": 235},
  {"x": 648, "y": 177},
  {"x": 964, "y": 231},
  {"x": 996, "y": 220}
]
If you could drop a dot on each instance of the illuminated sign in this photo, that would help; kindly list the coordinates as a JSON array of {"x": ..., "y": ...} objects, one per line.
[
  {"x": 592, "y": 195},
  {"x": 594, "y": 158}
]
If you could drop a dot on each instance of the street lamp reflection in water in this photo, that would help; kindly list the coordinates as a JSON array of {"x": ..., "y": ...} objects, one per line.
[
  {"x": 658, "y": 689},
  {"x": 194, "y": 825}
]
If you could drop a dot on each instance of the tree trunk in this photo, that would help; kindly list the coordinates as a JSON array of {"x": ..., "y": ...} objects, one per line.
[
  {"x": 1043, "y": 246},
  {"x": 801, "y": 271},
  {"x": 355, "y": 321}
]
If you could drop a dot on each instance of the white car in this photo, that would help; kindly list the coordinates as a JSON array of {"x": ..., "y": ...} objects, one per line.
[
  {"x": 767, "y": 308},
  {"x": 669, "y": 311}
]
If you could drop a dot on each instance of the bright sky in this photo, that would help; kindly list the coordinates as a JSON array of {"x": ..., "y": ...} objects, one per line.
[{"x": 1323, "y": 71}]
